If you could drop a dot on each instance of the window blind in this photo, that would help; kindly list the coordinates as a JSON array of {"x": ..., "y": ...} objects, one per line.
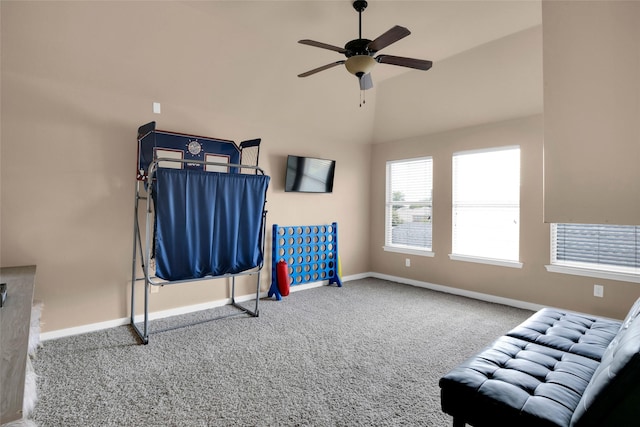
[
  {"x": 486, "y": 204},
  {"x": 599, "y": 246},
  {"x": 409, "y": 203}
]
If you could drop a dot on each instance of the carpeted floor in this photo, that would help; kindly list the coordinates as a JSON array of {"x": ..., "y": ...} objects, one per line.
[{"x": 369, "y": 353}]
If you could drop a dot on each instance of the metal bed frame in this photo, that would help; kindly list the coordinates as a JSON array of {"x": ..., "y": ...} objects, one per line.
[{"x": 145, "y": 252}]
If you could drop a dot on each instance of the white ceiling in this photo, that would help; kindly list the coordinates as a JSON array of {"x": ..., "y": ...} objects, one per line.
[{"x": 487, "y": 64}]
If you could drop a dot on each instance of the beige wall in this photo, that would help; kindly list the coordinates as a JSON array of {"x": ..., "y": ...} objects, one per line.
[
  {"x": 532, "y": 283},
  {"x": 78, "y": 78},
  {"x": 495, "y": 81},
  {"x": 592, "y": 111}
]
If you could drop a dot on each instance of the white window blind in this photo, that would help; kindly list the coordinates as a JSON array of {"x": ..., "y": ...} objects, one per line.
[
  {"x": 486, "y": 204},
  {"x": 409, "y": 204},
  {"x": 604, "y": 247}
]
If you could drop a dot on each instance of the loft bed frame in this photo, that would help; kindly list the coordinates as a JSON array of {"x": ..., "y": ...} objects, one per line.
[{"x": 187, "y": 167}]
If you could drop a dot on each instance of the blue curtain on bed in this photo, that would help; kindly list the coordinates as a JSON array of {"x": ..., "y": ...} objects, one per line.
[{"x": 207, "y": 223}]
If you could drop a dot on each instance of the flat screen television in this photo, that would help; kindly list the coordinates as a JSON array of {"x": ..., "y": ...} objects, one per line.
[{"x": 309, "y": 175}]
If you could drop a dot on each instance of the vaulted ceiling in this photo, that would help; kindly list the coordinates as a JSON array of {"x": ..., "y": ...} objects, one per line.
[{"x": 487, "y": 64}]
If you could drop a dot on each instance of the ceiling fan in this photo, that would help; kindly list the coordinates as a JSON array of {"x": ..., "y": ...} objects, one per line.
[{"x": 360, "y": 53}]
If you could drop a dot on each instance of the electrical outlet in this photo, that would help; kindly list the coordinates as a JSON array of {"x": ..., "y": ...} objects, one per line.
[
  {"x": 407, "y": 262},
  {"x": 154, "y": 289},
  {"x": 598, "y": 291}
]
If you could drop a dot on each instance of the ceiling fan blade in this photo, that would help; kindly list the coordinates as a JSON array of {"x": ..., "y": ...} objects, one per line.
[
  {"x": 366, "y": 82},
  {"x": 322, "y": 45},
  {"x": 317, "y": 70},
  {"x": 393, "y": 35},
  {"x": 418, "y": 64}
]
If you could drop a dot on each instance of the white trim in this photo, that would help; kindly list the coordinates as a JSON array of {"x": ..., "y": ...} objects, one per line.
[
  {"x": 491, "y": 261},
  {"x": 187, "y": 309},
  {"x": 590, "y": 272},
  {"x": 93, "y": 327},
  {"x": 486, "y": 150},
  {"x": 588, "y": 269},
  {"x": 357, "y": 276},
  {"x": 410, "y": 159},
  {"x": 409, "y": 251},
  {"x": 78, "y": 330},
  {"x": 461, "y": 292},
  {"x": 305, "y": 286},
  {"x": 388, "y": 202}
]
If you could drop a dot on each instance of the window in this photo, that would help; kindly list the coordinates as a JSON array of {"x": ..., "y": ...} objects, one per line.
[
  {"x": 486, "y": 206},
  {"x": 408, "y": 206},
  {"x": 597, "y": 250}
]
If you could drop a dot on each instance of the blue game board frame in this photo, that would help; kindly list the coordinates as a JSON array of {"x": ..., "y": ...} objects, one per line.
[{"x": 311, "y": 254}]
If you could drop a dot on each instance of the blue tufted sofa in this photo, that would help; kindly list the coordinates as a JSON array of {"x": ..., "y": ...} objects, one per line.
[{"x": 555, "y": 369}]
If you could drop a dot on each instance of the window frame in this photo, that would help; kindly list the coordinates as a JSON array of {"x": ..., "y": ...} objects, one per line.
[
  {"x": 587, "y": 269},
  {"x": 398, "y": 248},
  {"x": 512, "y": 263}
]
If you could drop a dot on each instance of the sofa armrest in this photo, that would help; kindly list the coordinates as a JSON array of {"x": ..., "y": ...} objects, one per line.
[{"x": 613, "y": 394}]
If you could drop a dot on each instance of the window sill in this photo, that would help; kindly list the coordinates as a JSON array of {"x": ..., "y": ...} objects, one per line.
[
  {"x": 409, "y": 251},
  {"x": 490, "y": 261},
  {"x": 590, "y": 272}
]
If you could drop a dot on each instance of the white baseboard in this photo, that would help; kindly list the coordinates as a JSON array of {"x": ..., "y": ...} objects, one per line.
[
  {"x": 357, "y": 276},
  {"x": 67, "y": 332},
  {"x": 461, "y": 292},
  {"x": 306, "y": 286},
  {"x": 297, "y": 288},
  {"x": 93, "y": 327}
]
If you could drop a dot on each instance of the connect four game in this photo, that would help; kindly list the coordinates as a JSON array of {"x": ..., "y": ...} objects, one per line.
[{"x": 311, "y": 254}]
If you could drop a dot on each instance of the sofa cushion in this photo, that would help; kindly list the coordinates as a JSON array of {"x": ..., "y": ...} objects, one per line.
[
  {"x": 584, "y": 335},
  {"x": 517, "y": 383},
  {"x": 613, "y": 394}
]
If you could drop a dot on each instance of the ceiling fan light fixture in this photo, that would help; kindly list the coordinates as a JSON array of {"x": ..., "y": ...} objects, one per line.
[{"x": 359, "y": 65}]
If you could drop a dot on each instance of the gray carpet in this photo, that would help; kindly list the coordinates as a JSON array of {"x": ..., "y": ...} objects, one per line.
[{"x": 369, "y": 353}]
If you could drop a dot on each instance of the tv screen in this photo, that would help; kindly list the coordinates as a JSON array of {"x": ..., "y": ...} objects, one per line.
[{"x": 309, "y": 175}]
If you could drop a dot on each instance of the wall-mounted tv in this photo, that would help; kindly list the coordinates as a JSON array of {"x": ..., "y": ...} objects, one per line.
[{"x": 309, "y": 175}]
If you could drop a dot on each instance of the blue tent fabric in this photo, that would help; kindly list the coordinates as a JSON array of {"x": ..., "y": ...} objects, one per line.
[{"x": 207, "y": 223}]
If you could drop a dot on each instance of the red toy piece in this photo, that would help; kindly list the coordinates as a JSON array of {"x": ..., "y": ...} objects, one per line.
[{"x": 282, "y": 273}]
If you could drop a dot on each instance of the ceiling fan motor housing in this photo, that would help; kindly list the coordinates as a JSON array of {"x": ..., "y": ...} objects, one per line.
[{"x": 357, "y": 47}]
